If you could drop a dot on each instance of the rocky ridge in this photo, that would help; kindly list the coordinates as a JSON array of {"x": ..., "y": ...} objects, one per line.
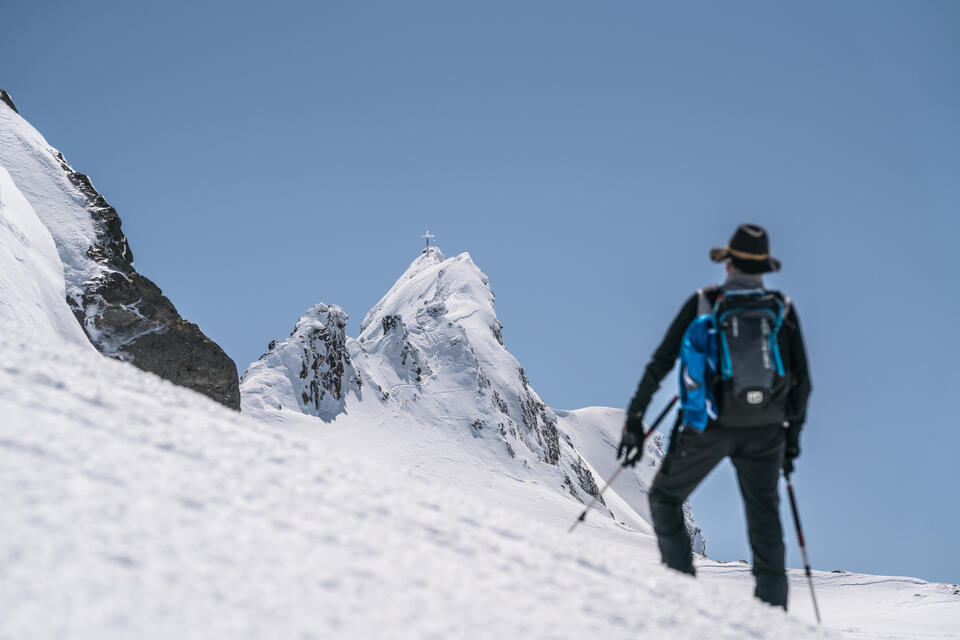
[
  {"x": 431, "y": 352},
  {"x": 310, "y": 370},
  {"x": 123, "y": 313}
]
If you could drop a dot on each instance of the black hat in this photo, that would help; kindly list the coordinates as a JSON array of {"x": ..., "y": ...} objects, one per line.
[{"x": 748, "y": 250}]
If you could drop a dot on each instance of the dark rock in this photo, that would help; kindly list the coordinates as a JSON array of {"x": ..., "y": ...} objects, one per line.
[
  {"x": 183, "y": 354},
  {"x": 324, "y": 362},
  {"x": 535, "y": 418},
  {"x": 497, "y": 330},
  {"x": 390, "y": 323},
  {"x": 500, "y": 403},
  {"x": 126, "y": 316},
  {"x": 586, "y": 481},
  {"x": 7, "y": 100}
]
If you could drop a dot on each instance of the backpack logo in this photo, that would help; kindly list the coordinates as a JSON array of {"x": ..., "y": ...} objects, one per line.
[{"x": 754, "y": 397}]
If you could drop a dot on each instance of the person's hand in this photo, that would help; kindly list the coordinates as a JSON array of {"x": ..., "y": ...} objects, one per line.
[
  {"x": 631, "y": 442},
  {"x": 791, "y": 451}
]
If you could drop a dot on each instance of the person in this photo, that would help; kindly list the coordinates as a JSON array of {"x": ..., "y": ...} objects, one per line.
[{"x": 758, "y": 452}]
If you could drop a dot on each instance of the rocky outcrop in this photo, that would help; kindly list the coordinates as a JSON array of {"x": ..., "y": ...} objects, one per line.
[
  {"x": 311, "y": 371},
  {"x": 126, "y": 316},
  {"x": 7, "y": 100},
  {"x": 123, "y": 313}
]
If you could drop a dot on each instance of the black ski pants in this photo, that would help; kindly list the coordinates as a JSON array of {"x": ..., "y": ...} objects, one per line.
[{"x": 757, "y": 455}]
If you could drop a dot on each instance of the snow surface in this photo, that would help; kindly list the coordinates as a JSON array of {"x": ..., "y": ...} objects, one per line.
[
  {"x": 595, "y": 432},
  {"x": 133, "y": 508},
  {"x": 39, "y": 172},
  {"x": 31, "y": 274}
]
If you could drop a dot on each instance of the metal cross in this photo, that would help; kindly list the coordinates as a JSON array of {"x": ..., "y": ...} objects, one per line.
[{"x": 428, "y": 236}]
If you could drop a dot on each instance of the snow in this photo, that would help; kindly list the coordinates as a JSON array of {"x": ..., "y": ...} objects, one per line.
[
  {"x": 134, "y": 508},
  {"x": 39, "y": 172},
  {"x": 31, "y": 274},
  {"x": 296, "y": 372},
  {"x": 422, "y": 349},
  {"x": 595, "y": 432}
]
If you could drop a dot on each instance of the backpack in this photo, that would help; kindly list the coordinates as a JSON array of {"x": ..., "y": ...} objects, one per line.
[{"x": 731, "y": 370}]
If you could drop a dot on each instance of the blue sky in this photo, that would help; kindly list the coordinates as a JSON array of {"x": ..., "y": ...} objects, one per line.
[{"x": 587, "y": 155}]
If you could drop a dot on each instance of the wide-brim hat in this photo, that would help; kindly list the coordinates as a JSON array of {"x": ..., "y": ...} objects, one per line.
[{"x": 748, "y": 250}]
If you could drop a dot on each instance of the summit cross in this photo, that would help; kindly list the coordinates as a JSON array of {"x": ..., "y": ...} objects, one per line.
[{"x": 428, "y": 236}]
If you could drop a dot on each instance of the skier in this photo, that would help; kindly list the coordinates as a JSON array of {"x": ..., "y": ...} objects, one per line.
[{"x": 744, "y": 391}]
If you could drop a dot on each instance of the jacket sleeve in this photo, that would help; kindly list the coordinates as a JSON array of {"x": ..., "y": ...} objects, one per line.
[
  {"x": 800, "y": 385},
  {"x": 663, "y": 358}
]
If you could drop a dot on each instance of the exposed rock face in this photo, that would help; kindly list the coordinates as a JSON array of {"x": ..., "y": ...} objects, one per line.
[
  {"x": 310, "y": 371},
  {"x": 535, "y": 418},
  {"x": 124, "y": 314},
  {"x": 395, "y": 346},
  {"x": 7, "y": 100}
]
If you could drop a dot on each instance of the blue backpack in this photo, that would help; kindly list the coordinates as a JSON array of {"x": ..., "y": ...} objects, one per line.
[{"x": 731, "y": 370}]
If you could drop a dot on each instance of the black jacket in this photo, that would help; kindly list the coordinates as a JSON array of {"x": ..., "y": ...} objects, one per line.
[{"x": 791, "y": 348}]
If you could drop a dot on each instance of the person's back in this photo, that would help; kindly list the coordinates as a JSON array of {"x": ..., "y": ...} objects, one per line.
[{"x": 758, "y": 448}]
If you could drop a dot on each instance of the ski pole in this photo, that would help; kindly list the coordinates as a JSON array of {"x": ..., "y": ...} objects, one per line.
[
  {"x": 803, "y": 545},
  {"x": 596, "y": 498}
]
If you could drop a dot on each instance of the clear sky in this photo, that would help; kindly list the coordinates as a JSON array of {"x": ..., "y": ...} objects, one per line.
[{"x": 268, "y": 156}]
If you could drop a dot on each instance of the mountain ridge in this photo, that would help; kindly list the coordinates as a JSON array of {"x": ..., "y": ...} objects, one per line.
[
  {"x": 124, "y": 314},
  {"x": 431, "y": 352}
]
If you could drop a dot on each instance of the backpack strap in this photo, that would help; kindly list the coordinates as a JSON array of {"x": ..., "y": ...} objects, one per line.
[
  {"x": 704, "y": 304},
  {"x": 787, "y": 303}
]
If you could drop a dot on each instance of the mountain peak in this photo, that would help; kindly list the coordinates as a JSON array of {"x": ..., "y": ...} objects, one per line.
[
  {"x": 322, "y": 315},
  {"x": 310, "y": 371},
  {"x": 429, "y": 253},
  {"x": 438, "y": 286},
  {"x": 430, "y": 355}
]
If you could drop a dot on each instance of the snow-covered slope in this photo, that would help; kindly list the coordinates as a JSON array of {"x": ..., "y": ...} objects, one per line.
[
  {"x": 124, "y": 314},
  {"x": 432, "y": 345},
  {"x": 595, "y": 432},
  {"x": 430, "y": 361},
  {"x": 133, "y": 508},
  {"x": 31, "y": 274}
]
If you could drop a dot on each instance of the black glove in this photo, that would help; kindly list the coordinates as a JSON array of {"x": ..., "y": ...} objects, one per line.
[
  {"x": 631, "y": 443},
  {"x": 792, "y": 449}
]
